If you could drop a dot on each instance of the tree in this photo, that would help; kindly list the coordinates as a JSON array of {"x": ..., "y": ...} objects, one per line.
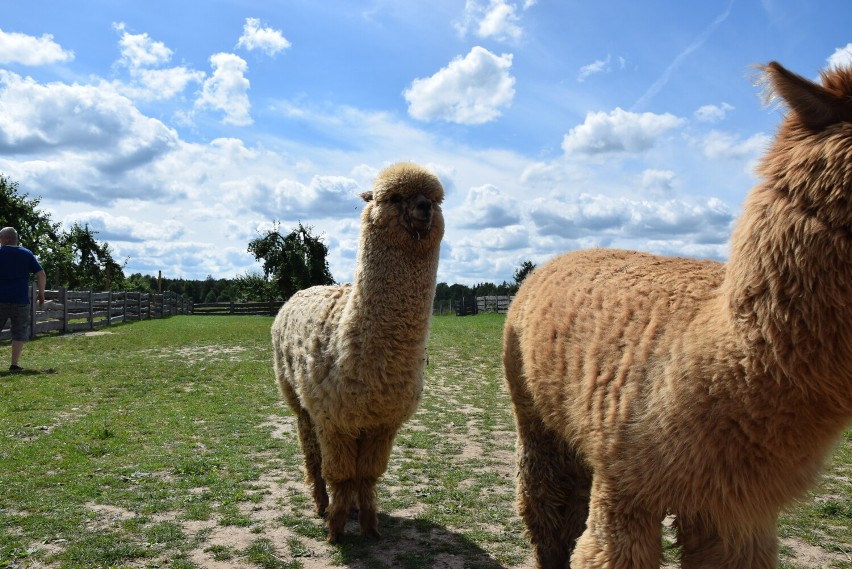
[
  {"x": 35, "y": 229},
  {"x": 90, "y": 265},
  {"x": 523, "y": 271},
  {"x": 253, "y": 287},
  {"x": 293, "y": 262}
]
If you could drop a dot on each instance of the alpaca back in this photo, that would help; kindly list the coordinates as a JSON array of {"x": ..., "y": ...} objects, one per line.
[
  {"x": 591, "y": 326},
  {"x": 303, "y": 337}
]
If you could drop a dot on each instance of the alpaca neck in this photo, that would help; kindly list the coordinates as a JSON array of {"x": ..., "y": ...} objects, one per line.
[
  {"x": 788, "y": 288},
  {"x": 390, "y": 307}
]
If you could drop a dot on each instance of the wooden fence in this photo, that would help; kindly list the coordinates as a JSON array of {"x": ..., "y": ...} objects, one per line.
[
  {"x": 470, "y": 305},
  {"x": 71, "y": 310},
  {"x": 493, "y": 303},
  {"x": 237, "y": 308}
]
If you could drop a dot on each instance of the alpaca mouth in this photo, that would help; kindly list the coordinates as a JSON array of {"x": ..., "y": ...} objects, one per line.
[{"x": 420, "y": 216}]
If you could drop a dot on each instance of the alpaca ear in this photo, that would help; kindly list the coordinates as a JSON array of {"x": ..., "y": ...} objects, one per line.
[
  {"x": 367, "y": 196},
  {"x": 813, "y": 104}
]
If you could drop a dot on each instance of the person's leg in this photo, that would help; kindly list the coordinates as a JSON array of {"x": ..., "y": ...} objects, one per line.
[
  {"x": 17, "y": 348},
  {"x": 5, "y": 316},
  {"x": 20, "y": 331}
]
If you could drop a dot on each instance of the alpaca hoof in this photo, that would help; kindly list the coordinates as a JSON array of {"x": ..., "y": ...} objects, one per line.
[
  {"x": 321, "y": 505},
  {"x": 372, "y": 533},
  {"x": 335, "y": 537}
]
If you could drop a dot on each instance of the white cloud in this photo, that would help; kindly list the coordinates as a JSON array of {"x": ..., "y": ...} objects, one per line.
[
  {"x": 599, "y": 66},
  {"x": 842, "y": 57},
  {"x": 498, "y": 20},
  {"x": 160, "y": 84},
  {"x": 470, "y": 90},
  {"x": 267, "y": 40},
  {"x": 113, "y": 228},
  {"x": 497, "y": 239},
  {"x": 83, "y": 143},
  {"x": 29, "y": 50},
  {"x": 323, "y": 197},
  {"x": 618, "y": 131},
  {"x": 63, "y": 118},
  {"x": 139, "y": 50},
  {"x": 658, "y": 183},
  {"x": 139, "y": 53},
  {"x": 486, "y": 206},
  {"x": 227, "y": 89},
  {"x": 713, "y": 113},
  {"x": 720, "y": 145},
  {"x": 604, "y": 217}
]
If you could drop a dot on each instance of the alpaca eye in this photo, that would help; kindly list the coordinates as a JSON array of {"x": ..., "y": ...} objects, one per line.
[{"x": 396, "y": 198}]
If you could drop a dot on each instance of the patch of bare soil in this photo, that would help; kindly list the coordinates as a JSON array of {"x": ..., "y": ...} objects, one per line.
[
  {"x": 88, "y": 334},
  {"x": 193, "y": 355},
  {"x": 811, "y": 556}
]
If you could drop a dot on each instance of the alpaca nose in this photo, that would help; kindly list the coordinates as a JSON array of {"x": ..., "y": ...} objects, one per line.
[{"x": 422, "y": 208}]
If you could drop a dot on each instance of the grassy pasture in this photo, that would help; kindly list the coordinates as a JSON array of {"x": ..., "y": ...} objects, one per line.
[{"x": 164, "y": 443}]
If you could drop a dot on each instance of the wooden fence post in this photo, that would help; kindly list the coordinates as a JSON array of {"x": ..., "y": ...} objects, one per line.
[
  {"x": 32, "y": 310},
  {"x": 91, "y": 310},
  {"x": 63, "y": 295}
]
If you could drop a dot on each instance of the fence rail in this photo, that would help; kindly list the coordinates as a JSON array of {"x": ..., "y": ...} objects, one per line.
[
  {"x": 72, "y": 310},
  {"x": 237, "y": 308}
]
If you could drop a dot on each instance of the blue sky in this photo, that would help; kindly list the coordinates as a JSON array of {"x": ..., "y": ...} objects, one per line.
[{"x": 179, "y": 130}]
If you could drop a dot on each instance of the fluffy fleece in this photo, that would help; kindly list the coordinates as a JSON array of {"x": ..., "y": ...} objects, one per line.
[
  {"x": 644, "y": 386},
  {"x": 349, "y": 360}
]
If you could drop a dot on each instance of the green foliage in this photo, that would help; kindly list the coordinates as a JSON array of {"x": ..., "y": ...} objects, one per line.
[
  {"x": 253, "y": 287},
  {"x": 82, "y": 263},
  {"x": 35, "y": 229},
  {"x": 523, "y": 271},
  {"x": 457, "y": 291},
  {"x": 292, "y": 262}
]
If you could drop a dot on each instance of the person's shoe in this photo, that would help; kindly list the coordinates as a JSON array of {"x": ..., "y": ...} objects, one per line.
[{"x": 14, "y": 367}]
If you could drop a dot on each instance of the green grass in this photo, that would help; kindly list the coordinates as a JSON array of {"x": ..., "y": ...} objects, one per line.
[{"x": 164, "y": 443}]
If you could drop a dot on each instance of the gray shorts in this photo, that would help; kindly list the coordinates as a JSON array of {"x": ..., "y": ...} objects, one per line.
[{"x": 20, "y": 316}]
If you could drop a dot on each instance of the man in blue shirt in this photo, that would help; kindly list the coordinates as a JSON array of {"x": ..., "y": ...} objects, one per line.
[{"x": 16, "y": 265}]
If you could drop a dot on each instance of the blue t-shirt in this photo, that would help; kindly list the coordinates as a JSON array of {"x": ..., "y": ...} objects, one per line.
[{"x": 16, "y": 264}]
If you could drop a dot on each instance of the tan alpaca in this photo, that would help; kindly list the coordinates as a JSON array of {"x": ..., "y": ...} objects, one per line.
[
  {"x": 349, "y": 360},
  {"x": 645, "y": 386}
]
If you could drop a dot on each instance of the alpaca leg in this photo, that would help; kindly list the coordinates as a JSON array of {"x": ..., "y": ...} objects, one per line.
[
  {"x": 307, "y": 439},
  {"x": 553, "y": 495},
  {"x": 703, "y": 548},
  {"x": 374, "y": 448},
  {"x": 618, "y": 534},
  {"x": 338, "y": 469},
  {"x": 553, "y": 482},
  {"x": 313, "y": 461}
]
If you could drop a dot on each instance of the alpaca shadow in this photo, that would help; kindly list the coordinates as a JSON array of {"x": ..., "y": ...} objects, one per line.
[{"x": 407, "y": 542}]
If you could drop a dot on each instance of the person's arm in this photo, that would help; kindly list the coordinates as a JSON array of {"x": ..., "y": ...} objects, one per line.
[{"x": 41, "y": 280}]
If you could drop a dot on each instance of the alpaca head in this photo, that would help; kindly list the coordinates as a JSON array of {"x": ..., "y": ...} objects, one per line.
[
  {"x": 811, "y": 158},
  {"x": 404, "y": 207}
]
